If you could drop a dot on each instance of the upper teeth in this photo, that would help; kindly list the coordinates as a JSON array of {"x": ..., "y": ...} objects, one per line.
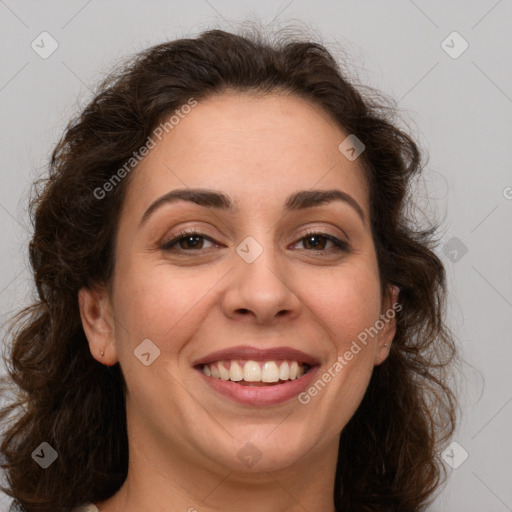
[{"x": 255, "y": 371}]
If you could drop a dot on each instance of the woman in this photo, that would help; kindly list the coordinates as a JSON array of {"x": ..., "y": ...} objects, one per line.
[{"x": 234, "y": 311}]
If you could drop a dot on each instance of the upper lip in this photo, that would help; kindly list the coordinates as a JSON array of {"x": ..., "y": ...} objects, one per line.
[{"x": 257, "y": 354}]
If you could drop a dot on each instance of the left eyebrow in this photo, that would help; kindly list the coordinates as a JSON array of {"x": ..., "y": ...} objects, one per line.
[{"x": 218, "y": 200}]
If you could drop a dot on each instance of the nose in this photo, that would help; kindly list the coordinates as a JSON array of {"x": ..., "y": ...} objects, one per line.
[{"x": 262, "y": 290}]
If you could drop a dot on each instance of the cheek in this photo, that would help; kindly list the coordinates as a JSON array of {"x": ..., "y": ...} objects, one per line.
[
  {"x": 349, "y": 305},
  {"x": 152, "y": 302},
  {"x": 348, "y": 301}
]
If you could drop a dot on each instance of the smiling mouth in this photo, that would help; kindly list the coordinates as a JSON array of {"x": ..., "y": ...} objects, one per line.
[{"x": 256, "y": 373}]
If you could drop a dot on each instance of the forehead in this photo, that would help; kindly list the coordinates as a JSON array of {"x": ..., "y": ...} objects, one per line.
[{"x": 251, "y": 146}]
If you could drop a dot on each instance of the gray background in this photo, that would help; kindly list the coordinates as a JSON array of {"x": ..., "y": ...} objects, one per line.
[{"x": 459, "y": 108}]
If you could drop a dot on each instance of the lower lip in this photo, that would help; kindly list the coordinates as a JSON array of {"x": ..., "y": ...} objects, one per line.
[{"x": 261, "y": 395}]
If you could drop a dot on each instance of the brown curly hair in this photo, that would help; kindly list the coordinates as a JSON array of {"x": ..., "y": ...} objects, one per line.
[{"x": 389, "y": 451}]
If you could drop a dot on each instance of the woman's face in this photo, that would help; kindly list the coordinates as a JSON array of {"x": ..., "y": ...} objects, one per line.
[{"x": 251, "y": 282}]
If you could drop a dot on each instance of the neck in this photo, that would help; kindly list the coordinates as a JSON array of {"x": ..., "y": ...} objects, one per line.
[{"x": 172, "y": 480}]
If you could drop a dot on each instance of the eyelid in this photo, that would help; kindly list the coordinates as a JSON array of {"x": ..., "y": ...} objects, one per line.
[{"x": 319, "y": 231}]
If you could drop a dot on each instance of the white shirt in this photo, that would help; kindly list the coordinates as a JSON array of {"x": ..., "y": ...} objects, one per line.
[{"x": 90, "y": 507}]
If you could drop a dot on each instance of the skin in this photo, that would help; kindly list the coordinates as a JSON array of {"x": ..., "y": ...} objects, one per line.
[{"x": 183, "y": 436}]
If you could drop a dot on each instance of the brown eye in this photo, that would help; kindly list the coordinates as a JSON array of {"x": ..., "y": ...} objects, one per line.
[
  {"x": 190, "y": 242},
  {"x": 316, "y": 242},
  {"x": 187, "y": 241}
]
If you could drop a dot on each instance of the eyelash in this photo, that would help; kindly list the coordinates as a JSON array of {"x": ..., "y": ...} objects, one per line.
[{"x": 340, "y": 245}]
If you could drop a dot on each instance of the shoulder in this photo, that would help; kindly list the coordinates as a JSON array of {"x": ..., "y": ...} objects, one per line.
[{"x": 89, "y": 507}]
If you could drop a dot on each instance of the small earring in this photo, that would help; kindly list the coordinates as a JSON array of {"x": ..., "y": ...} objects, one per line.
[
  {"x": 385, "y": 344},
  {"x": 102, "y": 353}
]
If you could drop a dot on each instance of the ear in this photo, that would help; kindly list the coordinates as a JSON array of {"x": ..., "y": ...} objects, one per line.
[
  {"x": 390, "y": 307},
  {"x": 97, "y": 322}
]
